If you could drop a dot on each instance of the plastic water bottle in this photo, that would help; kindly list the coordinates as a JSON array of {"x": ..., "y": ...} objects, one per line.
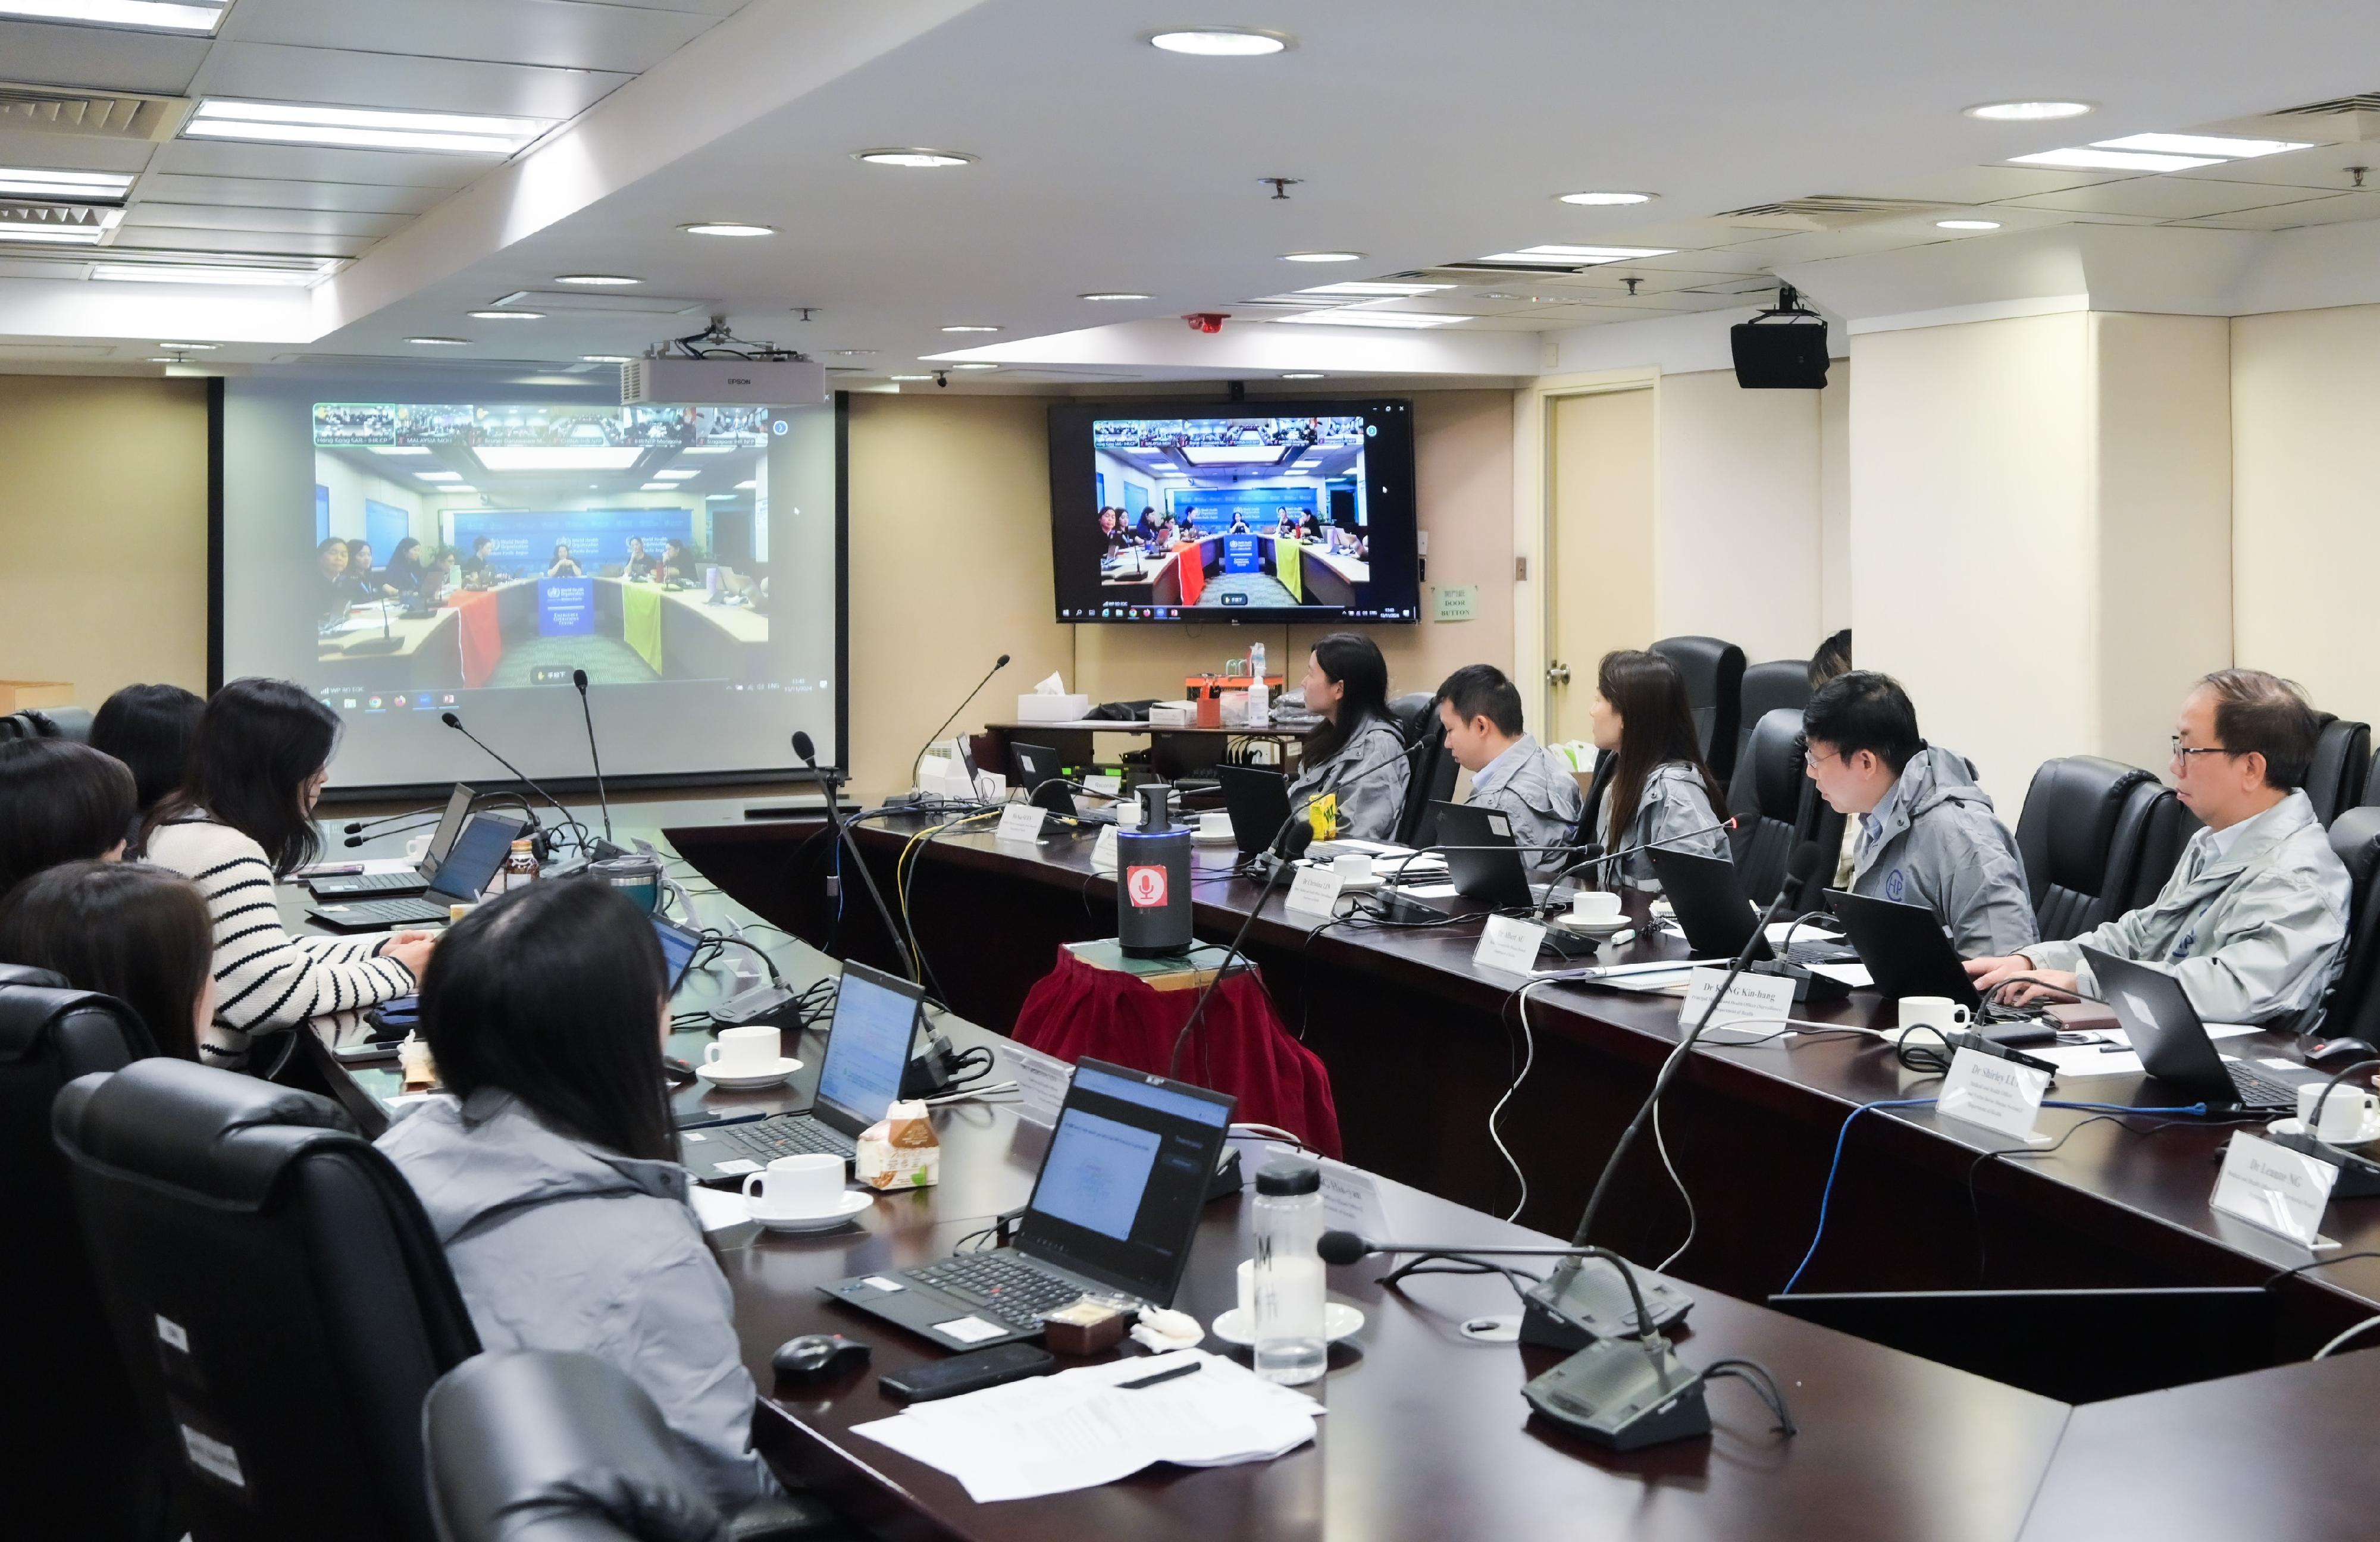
[
  {"x": 1287, "y": 1295},
  {"x": 1255, "y": 661}
]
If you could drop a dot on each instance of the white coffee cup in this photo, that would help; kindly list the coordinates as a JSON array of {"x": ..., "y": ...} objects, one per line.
[
  {"x": 745, "y": 1051},
  {"x": 1353, "y": 867},
  {"x": 1127, "y": 814},
  {"x": 1594, "y": 907},
  {"x": 1939, "y": 1012},
  {"x": 1214, "y": 824},
  {"x": 2350, "y": 1113},
  {"x": 793, "y": 1187},
  {"x": 417, "y": 848}
]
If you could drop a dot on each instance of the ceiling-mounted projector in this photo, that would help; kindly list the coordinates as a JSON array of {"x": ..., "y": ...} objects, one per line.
[{"x": 683, "y": 382}]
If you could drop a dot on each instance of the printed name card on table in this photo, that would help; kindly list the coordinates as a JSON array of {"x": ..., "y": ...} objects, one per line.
[
  {"x": 1041, "y": 1083},
  {"x": 1019, "y": 821},
  {"x": 1313, "y": 891},
  {"x": 1351, "y": 1201},
  {"x": 1103, "y": 851},
  {"x": 1509, "y": 945},
  {"x": 1995, "y": 1094},
  {"x": 2279, "y": 1190},
  {"x": 1761, "y": 1003},
  {"x": 1104, "y": 786}
]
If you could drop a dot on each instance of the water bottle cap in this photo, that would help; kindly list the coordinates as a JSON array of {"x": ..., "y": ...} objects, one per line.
[{"x": 1289, "y": 1176}]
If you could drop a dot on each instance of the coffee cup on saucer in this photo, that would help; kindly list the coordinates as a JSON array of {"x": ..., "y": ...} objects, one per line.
[
  {"x": 753, "y": 1049},
  {"x": 2350, "y": 1115},
  {"x": 800, "y": 1187},
  {"x": 1215, "y": 825},
  {"x": 1354, "y": 867},
  {"x": 1594, "y": 907}
]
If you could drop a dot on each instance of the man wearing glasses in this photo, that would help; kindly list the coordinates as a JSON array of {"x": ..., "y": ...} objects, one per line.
[
  {"x": 2253, "y": 919},
  {"x": 1926, "y": 833}
]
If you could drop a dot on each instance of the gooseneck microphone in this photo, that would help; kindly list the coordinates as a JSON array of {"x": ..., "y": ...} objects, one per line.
[
  {"x": 998, "y": 664},
  {"x": 568, "y": 819},
  {"x": 352, "y": 842},
  {"x": 839, "y": 834},
  {"x": 603, "y": 849},
  {"x": 356, "y": 827},
  {"x": 1598, "y": 854}
]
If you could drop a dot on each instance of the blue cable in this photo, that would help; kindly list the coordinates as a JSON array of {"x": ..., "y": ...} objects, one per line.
[{"x": 1825, "y": 1195}]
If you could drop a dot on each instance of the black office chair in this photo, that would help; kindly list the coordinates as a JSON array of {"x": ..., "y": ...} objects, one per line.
[
  {"x": 2371, "y": 792},
  {"x": 1781, "y": 683},
  {"x": 50, "y": 722},
  {"x": 2081, "y": 838},
  {"x": 2342, "y": 759},
  {"x": 1713, "y": 675},
  {"x": 1431, "y": 781},
  {"x": 1767, "y": 799},
  {"x": 2351, "y": 1006},
  {"x": 2166, "y": 827},
  {"x": 82, "y": 1459},
  {"x": 280, "y": 1299}
]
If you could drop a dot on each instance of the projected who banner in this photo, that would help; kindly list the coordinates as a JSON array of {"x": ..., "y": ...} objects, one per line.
[
  {"x": 524, "y": 541},
  {"x": 566, "y": 607}
]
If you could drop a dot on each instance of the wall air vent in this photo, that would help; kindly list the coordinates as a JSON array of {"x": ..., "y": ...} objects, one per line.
[
  {"x": 1826, "y": 211},
  {"x": 102, "y": 115}
]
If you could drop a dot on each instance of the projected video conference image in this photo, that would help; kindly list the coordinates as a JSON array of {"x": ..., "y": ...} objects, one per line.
[
  {"x": 1250, "y": 513},
  {"x": 473, "y": 555}
]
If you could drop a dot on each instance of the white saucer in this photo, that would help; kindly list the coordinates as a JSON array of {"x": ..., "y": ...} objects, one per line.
[
  {"x": 1228, "y": 838},
  {"x": 1565, "y": 922},
  {"x": 1338, "y": 1319},
  {"x": 850, "y": 1203},
  {"x": 746, "y": 1081},
  {"x": 2295, "y": 1126}
]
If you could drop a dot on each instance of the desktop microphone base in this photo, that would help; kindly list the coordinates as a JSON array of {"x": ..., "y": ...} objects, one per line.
[
  {"x": 1576, "y": 1307},
  {"x": 1622, "y": 1394}
]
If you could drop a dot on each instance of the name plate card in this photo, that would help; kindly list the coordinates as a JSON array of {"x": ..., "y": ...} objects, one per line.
[
  {"x": 2277, "y": 1189},
  {"x": 1993, "y": 1094},
  {"x": 1313, "y": 891},
  {"x": 1767, "y": 1000},
  {"x": 1041, "y": 1083},
  {"x": 1103, "y": 851},
  {"x": 1509, "y": 945},
  {"x": 1019, "y": 821}
]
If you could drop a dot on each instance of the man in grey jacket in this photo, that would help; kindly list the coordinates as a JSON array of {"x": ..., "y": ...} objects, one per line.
[
  {"x": 2253, "y": 920},
  {"x": 1510, "y": 773},
  {"x": 1926, "y": 833}
]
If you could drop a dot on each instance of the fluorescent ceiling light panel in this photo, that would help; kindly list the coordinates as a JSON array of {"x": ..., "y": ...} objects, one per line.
[
  {"x": 440, "y": 476},
  {"x": 1219, "y": 43},
  {"x": 909, "y": 377},
  {"x": 201, "y": 347},
  {"x": 1352, "y": 317},
  {"x": 1585, "y": 256},
  {"x": 557, "y": 457},
  {"x": 440, "y": 342},
  {"x": 189, "y": 272},
  {"x": 679, "y": 473},
  {"x": 658, "y": 487},
  {"x": 400, "y": 449},
  {"x": 603, "y": 358},
  {"x": 971, "y": 328},
  {"x": 727, "y": 228},
  {"x": 913, "y": 157},
  {"x": 1967, "y": 224},
  {"x": 597, "y": 281},
  {"x": 747, "y": 487},
  {"x": 2201, "y": 144},
  {"x": 55, "y": 235},
  {"x": 452, "y": 487},
  {"x": 2027, "y": 112},
  {"x": 200, "y": 16},
  {"x": 361, "y": 128},
  {"x": 1303, "y": 374},
  {"x": 2085, "y": 158},
  {"x": 1111, "y": 295},
  {"x": 1235, "y": 454},
  {"x": 66, "y": 187},
  {"x": 975, "y": 366},
  {"x": 1599, "y": 200},
  {"x": 505, "y": 315},
  {"x": 715, "y": 497},
  {"x": 708, "y": 450},
  {"x": 1322, "y": 256},
  {"x": 1377, "y": 291}
]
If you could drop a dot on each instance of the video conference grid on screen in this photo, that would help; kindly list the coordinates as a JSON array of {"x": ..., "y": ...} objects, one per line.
[
  {"x": 1291, "y": 511},
  {"x": 482, "y": 552}
]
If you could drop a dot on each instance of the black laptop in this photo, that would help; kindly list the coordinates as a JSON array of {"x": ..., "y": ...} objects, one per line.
[
  {"x": 413, "y": 879},
  {"x": 1904, "y": 948},
  {"x": 1257, "y": 801},
  {"x": 2173, "y": 1045},
  {"x": 1482, "y": 859},
  {"x": 486, "y": 841},
  {"x": 1038, "y": 770},
  {"x": 1706, "y": 896},
  {"x": 869, "y": 1046},
  {"x": 1113, "y": 1213}
]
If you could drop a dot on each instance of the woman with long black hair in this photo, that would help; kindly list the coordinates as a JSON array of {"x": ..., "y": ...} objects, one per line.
[
  {"x": 1348, "y": 757},
  {"x": 140, "y": 934},
  {"x": 1661, "y": 791}
]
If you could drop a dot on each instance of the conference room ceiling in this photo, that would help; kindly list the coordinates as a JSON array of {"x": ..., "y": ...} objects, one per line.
[{"x": 1420, "y": 138}]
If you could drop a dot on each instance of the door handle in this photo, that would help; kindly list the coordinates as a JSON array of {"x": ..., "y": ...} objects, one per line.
[{"x": 1558, "y": 673}]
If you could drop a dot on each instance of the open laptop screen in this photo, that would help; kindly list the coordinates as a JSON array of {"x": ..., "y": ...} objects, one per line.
[
  {"x": 450, "y": 824},
  {"x": 868, "y": 1045},
  {"x": 1119, "y": 1191},
  {"x": 679, "y": 945},
  {"x": 475, "y": 857}
]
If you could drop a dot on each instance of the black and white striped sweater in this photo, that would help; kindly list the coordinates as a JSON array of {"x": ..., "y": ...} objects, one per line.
[{"x": 264, "y": 977}]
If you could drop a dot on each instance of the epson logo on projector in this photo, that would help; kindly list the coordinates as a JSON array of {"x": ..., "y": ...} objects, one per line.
[{"x": 722, "y": 383}]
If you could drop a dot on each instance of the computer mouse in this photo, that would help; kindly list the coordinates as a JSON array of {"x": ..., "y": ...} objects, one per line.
[
  {"x": 2338, "y": 1051},
  {"x": 815, "y": 1358}
]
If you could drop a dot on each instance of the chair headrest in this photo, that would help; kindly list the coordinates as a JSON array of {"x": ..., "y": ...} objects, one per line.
[
  {"x": 2355, "y": 838},
  {"x": 2070, "y": 815},
  {"x": 1416, "y": 711},
  {"x": 1778, "y": 683},
  {"x": 1712, "y": 667},
  {"x": 35, "y": 1002},
  {"x": 192, "y": 1127},
  {"x": 1769, "y": 778}
]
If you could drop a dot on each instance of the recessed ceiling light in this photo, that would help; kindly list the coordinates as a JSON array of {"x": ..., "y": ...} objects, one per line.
[
  {"x": 2086, "y": 159},
  {"x": 440, "y": 342},
  {"x": 604, "y": 357},
  {"x": 76, "y": 235},
  {"x": 1322, "y": 256},
  {"x": 198, "y": 273},
  {"x": 1967, "y": 224},
  {"x": 1303, "y": 374},
  {"x": 971, "y": 328},
  {"x": 196, "y": 348},
  {"x": 855, "y": 353},
  {"x": 1219, "y": 43},
  {"x": 2028, "y": 112},
  {"x": 361, "y": 128},
  {"x": 1113, "y": 294},
  {"x": 505, "y": 315},
  {"x": 747, "y": 487},
  {"x": 70, "y": 186},
  {"x": 677, "y": 473},
  {"x": 1599, "y": 200},
  {"x": 658, "y": 487},
  {"x": 975, "y": 366},
  {"x": 1377, "y": 291},
  {"x": 1584, "y": 256},
  {"x": 913, "y": 157},
  {"x": 715, "y": 497},
  {"x": 400, "y": 449},
  {"x": 727, "y": 228},
  {"x": 166, "y": 358},
  {"x": 202, "y": 16},
  {"x": 440, "y": 476},
  {"x": 909, "y": 377},
  {"x": 597, "y": 281},
  {"x": 445, "y": 487},
  {"x": 2202, "y": 144},
  {"x": 1352, "y": 316}
]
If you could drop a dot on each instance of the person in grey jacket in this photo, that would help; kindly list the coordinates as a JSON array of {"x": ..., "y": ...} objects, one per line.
[
  {"x": 2253, "y": 920},
  {"x": 1661, "y": 794},
  {"x": 548, "y": 1176},
  {"x": 1926, "y": 832},
  {"x": 1510, "y": 773},
  {"x": 1356, "y": 756}
]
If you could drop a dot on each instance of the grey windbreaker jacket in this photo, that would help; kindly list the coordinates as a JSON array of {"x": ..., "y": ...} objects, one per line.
[
  {"x": 558, "y": 1243},
  {"x": 1369, "y": 807},
  {"x": 1943, "y": 847},
  {"x": 2252, "y": 934},
  {"x": 1675, "y": 814},
  {"x": 1532, "y": 787}
]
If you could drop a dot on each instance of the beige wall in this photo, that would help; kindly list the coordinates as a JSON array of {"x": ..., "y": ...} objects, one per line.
[
  {"x": 103, "y": 515},
  {"x": 2305, "y": 402},
  {"x": 1835, "y": 500}
]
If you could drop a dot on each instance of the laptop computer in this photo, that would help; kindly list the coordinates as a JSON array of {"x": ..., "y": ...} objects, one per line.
[
  {"x": 679, "y": 947},
  {"x": 1482, "y": 859},
  {"x": 411, "y": 881},
  {"x": 1904, "y": 948},
  {"x": 486, "y": 840},
  {"x": 2173, "y": 1045},
  {"x": 1705, "y": 895},
  {"x": 878, "y": 1018},
  {"x": 1114, "y": 1212},
  {"x": 1257, "y": 801},
  {"x": 1037, "y": 769}
]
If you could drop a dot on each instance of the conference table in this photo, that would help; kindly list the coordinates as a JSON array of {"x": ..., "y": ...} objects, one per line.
[{"x": 1426, "y": 1436}]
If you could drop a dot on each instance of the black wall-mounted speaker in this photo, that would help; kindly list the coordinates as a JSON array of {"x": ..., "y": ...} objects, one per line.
[{"x": 1779, "y": 356}]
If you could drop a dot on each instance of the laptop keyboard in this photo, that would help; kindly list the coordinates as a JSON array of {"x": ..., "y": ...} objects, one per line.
[
  {"x": 998, "y": 1285},
  {"x": 390, "y": 913},
  {"x": 1823, "y": 950},
  {"x": 786, "y": 1136},
  {"x": 367, "y": 882},
  {"x": 2259, "y": 1091}
]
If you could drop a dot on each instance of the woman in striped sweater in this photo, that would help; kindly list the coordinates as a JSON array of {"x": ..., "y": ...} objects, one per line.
[{"x": 243, "y": 819}]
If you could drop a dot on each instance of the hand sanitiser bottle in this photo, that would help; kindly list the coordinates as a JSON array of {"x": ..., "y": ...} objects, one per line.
[{"x": 1287, "y": 1298}]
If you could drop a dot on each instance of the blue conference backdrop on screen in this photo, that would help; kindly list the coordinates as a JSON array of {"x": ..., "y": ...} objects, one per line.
[{"x": 598, "y": 538}]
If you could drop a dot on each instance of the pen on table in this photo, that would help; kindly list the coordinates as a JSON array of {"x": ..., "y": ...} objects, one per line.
[
  {"x": 1162, "y": 1376},
  {"x": 745, "y": 1116}
]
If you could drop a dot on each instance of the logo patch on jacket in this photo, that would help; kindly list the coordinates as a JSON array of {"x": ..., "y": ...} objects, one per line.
[{"x": 1895, "y": 885}]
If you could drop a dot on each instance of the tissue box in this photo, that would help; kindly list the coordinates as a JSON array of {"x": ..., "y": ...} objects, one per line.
[
  {"x": 899, "y": 1151},
  {"x": 1172, "y": 714},
  {"x": 1036, "y": 708}
]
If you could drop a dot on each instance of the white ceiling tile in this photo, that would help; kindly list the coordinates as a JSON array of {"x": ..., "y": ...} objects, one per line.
[
  {"x": 267, "y": 243},
  {"x": 551, "y": 32},
  {"x": 2163, "y": 198},
  {"x": 1990, "y": 184},
  {"x": 2338, "y": 209},
  {"x": 101, "y": 57},
  {"x": 2323, "y": 166},
  {"x": 316, "y": 222},
  {"x": 270, "y": 193},
  {"x": 73, "y": 152},
  {"x": 273, "y": 72},
  {"x": 1818, "y": 245},
  {"x": 313, "y": 163},
  {"x": 1651, "y": 280}
]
